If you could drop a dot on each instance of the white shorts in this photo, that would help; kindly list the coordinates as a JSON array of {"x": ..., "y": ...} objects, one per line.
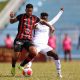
[{"x": 43, "y": 48}]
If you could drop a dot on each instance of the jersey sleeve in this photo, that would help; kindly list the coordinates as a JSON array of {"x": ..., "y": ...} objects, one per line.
[
  {"x": 37, "y": 19},
  {"x": 19, "y": 17},
  {"x": 55, "y": 19}
]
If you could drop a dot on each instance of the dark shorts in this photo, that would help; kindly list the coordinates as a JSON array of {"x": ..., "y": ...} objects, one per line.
[
  {"x": 20, "y": 44},
  {"x": 67, "y": 51}
]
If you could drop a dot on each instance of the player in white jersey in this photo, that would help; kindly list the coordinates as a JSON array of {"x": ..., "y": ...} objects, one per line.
[
  {"x": 40, "y": 39},
  {"x": 42, "y": 32}
]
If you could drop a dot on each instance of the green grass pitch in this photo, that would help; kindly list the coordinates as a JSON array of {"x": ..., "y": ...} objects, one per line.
[{"x": 43, "y": 71}]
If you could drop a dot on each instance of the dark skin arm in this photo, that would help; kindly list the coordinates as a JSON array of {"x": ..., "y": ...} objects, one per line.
[{"x": 51, "y": 28}]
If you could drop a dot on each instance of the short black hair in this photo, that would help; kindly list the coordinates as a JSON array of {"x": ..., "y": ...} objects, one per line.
[
  {"x": 44, "y": 14},
  {"x": 29, "y": 6}
]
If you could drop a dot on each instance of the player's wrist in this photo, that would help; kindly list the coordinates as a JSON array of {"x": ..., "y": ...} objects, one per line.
[
  {"x": 62, "y": 9},
  {"x": 12, "y": 17}
]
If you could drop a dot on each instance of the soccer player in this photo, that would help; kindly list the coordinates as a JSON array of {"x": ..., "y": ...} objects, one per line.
[
  {"x": 67, "y": 47},
  {"x": 24, "y": 35},
  {"x": 8, "y": 41},
  {"x": 40, "y": 40}
]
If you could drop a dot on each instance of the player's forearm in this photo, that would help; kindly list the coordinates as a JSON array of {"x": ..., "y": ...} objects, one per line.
[
  {"x": 52, "y": 29},
  {"x": 55, "y": 19},
  {"x": 13, "y": 20}
]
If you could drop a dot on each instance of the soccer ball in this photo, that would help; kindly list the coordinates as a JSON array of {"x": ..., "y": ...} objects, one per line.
[{"x": 27, "y": 72}]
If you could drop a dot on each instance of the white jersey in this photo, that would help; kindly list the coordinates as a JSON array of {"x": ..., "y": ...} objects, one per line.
[
  {"x": 55, "y": 19},
  {"x": 41, "y": 34}
]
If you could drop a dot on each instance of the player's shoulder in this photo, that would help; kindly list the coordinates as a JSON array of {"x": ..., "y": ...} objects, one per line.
[
  {"x": 22, "y": 14},
  {"x": 34, "y": 16}
]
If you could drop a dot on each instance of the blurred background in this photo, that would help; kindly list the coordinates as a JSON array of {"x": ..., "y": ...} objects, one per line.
[{"x": 69, "y": 23}]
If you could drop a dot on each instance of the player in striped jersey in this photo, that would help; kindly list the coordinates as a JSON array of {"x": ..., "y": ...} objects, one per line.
[{"x": 24, "y": 35}]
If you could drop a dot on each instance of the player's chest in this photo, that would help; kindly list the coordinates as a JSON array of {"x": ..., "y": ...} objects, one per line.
[
  {"x": 43, "y": 28},
  {"x": 28, "y": 22}
]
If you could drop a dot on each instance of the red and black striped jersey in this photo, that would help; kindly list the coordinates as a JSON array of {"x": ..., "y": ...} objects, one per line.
[{"x": 25, "y": 26}]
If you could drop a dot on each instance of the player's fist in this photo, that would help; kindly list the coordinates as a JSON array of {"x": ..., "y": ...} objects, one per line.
[
  {"x": 62, "y": 9},
  {"x": 12, "y": 14}
]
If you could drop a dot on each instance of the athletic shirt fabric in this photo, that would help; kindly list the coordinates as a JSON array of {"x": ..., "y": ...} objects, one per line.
[
  {"x": 67, "y": 43},
  {"x": 25, "y": 26},
  {"x": 41, "y": 34}
]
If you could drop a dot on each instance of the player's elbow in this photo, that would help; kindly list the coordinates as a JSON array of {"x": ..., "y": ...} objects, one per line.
[
  {"x": 52, "y": 30},
  {"x": 11, "y": 22}
]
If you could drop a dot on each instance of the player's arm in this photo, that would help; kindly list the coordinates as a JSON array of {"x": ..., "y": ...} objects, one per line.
[
  {"x": 52, "y": 29},
  {"x": 36, "y": 22},
  {"x": 55, "y": 19},
  {"x": 13, "y": 19}
]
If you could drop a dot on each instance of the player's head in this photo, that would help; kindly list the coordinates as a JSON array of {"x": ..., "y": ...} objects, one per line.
[
  {"x": 66, "y": 34},
  {"x": 44, "y": 16},
  {"x": 29, "y": 9},
  {"x": 8, "y": 35}
]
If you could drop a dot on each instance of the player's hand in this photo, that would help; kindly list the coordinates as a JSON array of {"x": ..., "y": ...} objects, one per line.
[
  {"x": 12, "y": 14},
  {"x": 62, "y": 9}
]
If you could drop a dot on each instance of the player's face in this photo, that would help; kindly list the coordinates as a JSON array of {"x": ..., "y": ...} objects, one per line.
[
  {"x": 29, "y": 11},
  {"x": 44, "y": 18}
]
